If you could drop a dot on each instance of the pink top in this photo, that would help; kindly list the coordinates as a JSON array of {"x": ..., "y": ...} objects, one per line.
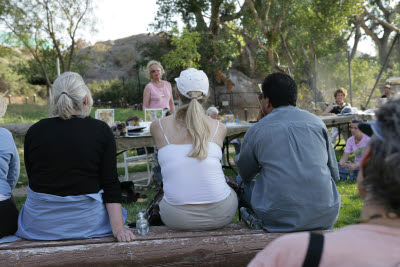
[
  {"x": 357, "y": 149},
  {"x": 355, "y": 245},
  {"x": 159, "y": 97}
]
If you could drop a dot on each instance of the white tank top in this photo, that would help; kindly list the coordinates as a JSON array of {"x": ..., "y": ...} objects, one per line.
[{"x": 191, "y": 181}]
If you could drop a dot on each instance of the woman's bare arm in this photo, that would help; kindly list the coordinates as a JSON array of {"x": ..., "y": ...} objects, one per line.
[
  {"x": 328, "y": 110},
  {"x": 117, "y": 223},
  {"x": 146, "y": 97}
]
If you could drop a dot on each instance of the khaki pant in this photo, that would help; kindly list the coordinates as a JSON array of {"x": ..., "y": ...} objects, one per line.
[{"x": 199, "y": 217}]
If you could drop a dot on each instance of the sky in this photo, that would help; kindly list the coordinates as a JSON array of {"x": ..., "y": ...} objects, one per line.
[{"x": 123, "y": 18}]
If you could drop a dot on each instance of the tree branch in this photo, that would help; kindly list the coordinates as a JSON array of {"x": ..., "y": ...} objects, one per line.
[
  {"x": 382, "y": 8},
  {"x": 369, "y": 32},
  {"x": 253, "y": 10},
  {"x": 237, "y": 15},
  {"x": 357, "y": 36},
  {"x": 382, "y": 22}
]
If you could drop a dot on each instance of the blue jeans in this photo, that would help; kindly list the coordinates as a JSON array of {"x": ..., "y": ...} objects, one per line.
[
  {"x": 344, "y": 173},
  {"x": 247, "y": 188}
]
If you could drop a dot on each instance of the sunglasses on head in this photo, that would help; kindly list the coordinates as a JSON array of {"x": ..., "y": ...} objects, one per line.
[{"x": 355, "y": 120}]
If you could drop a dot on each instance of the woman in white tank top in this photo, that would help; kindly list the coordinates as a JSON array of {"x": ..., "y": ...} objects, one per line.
[{"x": 196, "y": 195}]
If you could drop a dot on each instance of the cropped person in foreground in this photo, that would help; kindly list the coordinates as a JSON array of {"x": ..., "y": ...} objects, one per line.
[
  {"x": 291, "y": 151},
  {"x": 70, "y": 159},
  {"x": 196, "y": 195},
  {"x": 9, "y": 174},
  {"x": 375, "y": 241}
]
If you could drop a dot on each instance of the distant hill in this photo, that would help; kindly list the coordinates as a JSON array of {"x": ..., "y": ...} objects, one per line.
[{"x": 116, "y": 59}]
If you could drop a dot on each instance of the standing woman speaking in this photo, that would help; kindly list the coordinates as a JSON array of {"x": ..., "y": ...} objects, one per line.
[{"x": 157, "y": 93}]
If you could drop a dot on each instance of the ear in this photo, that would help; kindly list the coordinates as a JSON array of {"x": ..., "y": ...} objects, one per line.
[
  {"x": 267, "y": 106},
  {"x": 85, "y": 100},
  {"x": 364, "y": 161}
]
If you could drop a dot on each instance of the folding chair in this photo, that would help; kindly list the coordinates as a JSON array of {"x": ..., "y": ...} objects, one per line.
[{"x": 149, "y": 162}]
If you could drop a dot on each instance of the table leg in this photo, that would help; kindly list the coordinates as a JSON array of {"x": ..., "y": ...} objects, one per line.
[{"x": 226, "y": 144}]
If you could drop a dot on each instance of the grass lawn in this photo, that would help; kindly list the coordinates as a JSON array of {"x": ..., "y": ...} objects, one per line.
[{"x": 351, "y": 201}]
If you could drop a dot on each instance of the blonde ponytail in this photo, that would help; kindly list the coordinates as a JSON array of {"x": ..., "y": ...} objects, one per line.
[{"x": 195, "y": 119}]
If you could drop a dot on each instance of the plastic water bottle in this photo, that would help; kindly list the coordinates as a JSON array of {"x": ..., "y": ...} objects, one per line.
[
  {"x": 250, "y": 219},
  {"x": 142, "y": 225}
]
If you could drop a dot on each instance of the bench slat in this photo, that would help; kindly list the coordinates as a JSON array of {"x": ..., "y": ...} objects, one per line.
[{"x": 233, "y": 245}]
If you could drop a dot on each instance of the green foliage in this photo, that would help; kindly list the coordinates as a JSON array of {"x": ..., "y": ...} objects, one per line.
[
  {"x": 32, "y": 71},
  {"x": 217, "y": 46},
  {"x": 10, "y": 79},
  {"x": 185, "y": 55},
  {"x": 333, "y": 73},
  {"x": 46, "y": 28},
  {"x": 116, "y": 90}
]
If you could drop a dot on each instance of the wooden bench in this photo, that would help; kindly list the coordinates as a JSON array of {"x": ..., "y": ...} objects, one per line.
[{"x": 233, "y": 245}]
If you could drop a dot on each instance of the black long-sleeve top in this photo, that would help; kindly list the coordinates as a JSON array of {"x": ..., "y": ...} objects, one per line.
[{"x": 72, "y": 157}]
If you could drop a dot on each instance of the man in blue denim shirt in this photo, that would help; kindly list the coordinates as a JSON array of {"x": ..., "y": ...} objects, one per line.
[
  {"x": 291, "y": 151},
  {"x": 9, "y": 173}
]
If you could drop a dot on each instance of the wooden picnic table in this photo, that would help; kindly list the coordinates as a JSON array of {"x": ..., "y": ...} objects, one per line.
[{"x": 234, "y": 130}]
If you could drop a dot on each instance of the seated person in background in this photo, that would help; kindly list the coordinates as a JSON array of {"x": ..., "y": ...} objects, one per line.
[
  {"x": 375, "y": 241},
  {"x": 386, "y": 91},
  {"x": 290, "y": 150},
  {"x": 196, "y": 195},
  {"x": 336, "y": 108},
  {"x": 355, "y": 144},
  {"x": 9, "y": 174},
  {"x": 70, "y": 160},
  {"x": 212, "y": 112}
]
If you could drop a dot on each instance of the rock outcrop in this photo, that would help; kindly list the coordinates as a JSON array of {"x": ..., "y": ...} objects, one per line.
[{"x": 115, "y": 59}]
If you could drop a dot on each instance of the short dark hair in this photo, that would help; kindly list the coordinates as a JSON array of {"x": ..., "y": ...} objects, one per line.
[{"x": 280, "y": 89}]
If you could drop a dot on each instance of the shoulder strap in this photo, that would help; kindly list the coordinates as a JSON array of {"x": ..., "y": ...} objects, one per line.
[
  {"x": 216, "y": 130},
  {"x": 314, "y": 251},
  {"x": 162, "y": 130}
]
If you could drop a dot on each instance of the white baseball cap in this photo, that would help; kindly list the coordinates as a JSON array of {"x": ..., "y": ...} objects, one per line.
[{"x": 192, "y": 80}]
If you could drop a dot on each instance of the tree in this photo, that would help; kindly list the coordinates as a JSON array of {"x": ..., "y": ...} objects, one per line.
[
  {"x": 378, "y": 22},
  {"x": 217, "y": 46},
  {"x": 291, "y": 33},
  {"x": 45, "y": 24},
  {"x": 185, "y": 55}
]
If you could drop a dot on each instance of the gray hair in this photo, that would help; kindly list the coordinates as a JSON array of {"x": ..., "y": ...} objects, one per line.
[
  {"x": 212, "y": 110},
  {"x": 69, "y": 92},
  {"x": 382, "y": 171}
]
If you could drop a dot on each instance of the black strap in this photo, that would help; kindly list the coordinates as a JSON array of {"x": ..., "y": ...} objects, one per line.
[{"x": 314, "y": 251}]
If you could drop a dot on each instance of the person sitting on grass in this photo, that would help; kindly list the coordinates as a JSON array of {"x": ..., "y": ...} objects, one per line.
[
  {"x": 9, "y": 174},
  {"x": 375, "y": 240},
  {"x": 70, "y": 160},
  {"x": 355, "y": 144},
  {"x": 196, "y": 195}
]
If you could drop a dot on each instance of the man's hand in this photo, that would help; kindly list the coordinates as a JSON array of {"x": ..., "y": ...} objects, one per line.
[
  {"x": 124, "y": 235},
  {"x": 260, "y": 115}
]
